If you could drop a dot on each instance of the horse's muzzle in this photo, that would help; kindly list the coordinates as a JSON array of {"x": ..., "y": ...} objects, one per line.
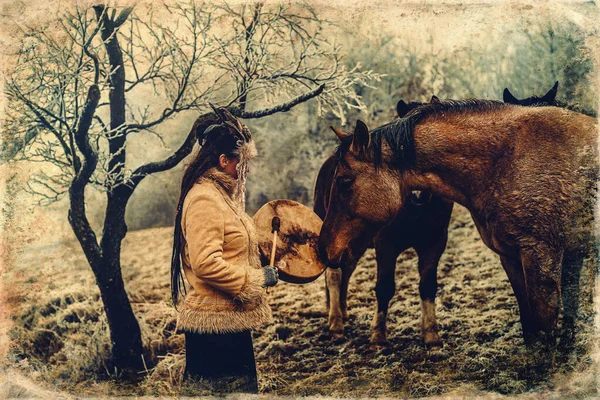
[{"x": 324, "y": 256}]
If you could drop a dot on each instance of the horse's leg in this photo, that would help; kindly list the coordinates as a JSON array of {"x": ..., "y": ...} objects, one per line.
[
  {"x": 514, "y": 270},
  {"x": 542, "y": 270},
  {"x": 333, "y": 283},
  {"x": 387, "y": 253},
  {"x": 327, "y": 296},
  {"x": 346, "y": 274},
  {"x": 336, "y": 284},
  {"x": 429, "y": 258},
  {"x": 571, "y": 272}
]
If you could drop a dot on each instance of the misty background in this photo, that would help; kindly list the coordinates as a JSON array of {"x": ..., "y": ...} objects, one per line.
[
  {"x": 422, "y": 50},
  {"x": 293, "y": 146}
]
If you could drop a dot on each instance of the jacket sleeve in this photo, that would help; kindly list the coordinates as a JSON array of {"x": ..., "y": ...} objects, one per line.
[{"x": 204, "y": 229}]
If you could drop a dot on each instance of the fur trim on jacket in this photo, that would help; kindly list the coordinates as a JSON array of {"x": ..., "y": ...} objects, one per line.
[{"x": 221, "y": 261}]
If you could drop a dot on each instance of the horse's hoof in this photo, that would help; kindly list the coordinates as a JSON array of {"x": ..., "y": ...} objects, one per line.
[
  {"x": 379, "y": 339},
  {"x": 543, "y": 342},
  {"x": 336, "y": 325},
  {"x": 432, "y": 339},
  {"x": 336, "y": 329},
  {"x": 566, "y": 342}
]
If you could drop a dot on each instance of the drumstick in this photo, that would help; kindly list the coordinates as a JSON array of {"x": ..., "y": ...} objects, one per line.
[{"x": 275, "y": 225}]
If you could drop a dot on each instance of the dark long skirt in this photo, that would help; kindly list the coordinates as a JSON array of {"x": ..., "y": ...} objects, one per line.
[{"x": 219, "y": 363}]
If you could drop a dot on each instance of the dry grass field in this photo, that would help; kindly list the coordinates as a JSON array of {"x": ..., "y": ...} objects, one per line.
[{"x": 59, "y": 335}]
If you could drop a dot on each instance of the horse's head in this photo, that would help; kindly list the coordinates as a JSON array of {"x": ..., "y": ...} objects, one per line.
[
  {"x": 546, "y": 100},
  {"x": 403, "y": 108},
  {"x": 365, "y": 196}
]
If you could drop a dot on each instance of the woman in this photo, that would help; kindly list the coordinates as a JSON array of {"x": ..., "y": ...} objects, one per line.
[{"x": 215, "y": 247}]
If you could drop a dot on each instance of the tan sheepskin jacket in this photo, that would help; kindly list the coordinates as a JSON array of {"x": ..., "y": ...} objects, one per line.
[{"x": 220, "y": 261}]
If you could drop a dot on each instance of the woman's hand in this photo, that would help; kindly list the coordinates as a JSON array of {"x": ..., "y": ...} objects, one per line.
[{"x": 271, "y": 276}]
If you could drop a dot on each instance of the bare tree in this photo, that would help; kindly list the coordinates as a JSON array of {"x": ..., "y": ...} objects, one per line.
[{"x": 72, "y": 105}]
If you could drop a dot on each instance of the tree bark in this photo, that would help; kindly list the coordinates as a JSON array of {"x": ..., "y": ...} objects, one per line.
[
  {"x": 77, "y": 216},
  {"x": 125, "y": 333}
]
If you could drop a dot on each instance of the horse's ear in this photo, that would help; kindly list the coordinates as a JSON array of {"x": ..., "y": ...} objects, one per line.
[
  {"x": 360, "y": 139},
  {"x": 434, "y": 99},
  {"x": 401, "y": 108},
  {"x": 551, "y": 95},
  {"x": 509, "y": 98},
  {"x": 343, "y": 136}
]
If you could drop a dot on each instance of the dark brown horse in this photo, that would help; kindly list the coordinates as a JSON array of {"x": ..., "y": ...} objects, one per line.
[
  {"x": 549, "y": 99},
  {"x": 421, "y": 224},
  {"x": 527, "y": 175},
  {"x": 546, "y": 100}
]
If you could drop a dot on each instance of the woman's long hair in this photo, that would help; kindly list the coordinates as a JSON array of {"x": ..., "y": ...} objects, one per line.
[{"x": 215, "y": 139}]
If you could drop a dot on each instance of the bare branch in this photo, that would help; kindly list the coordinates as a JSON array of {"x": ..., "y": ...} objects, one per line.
[
  {"x": 43, "y": 121},
  {"x": 281, "y": 107},
  {"x": 273, "y": 58},
  {"x": 82, "y": 140},
  {"x": 200, "y": 125},
  {"x": 120, "y": 20}
]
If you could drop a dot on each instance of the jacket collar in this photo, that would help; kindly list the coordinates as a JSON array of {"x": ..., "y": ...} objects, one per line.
[{"x": 227, "y": 182}]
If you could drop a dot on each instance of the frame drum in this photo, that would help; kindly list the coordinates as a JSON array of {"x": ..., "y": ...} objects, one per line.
[{"x": 297, "y": 240}]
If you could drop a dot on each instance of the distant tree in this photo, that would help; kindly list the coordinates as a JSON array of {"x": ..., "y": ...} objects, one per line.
[
  {"x": 528, "y": 62},
  {"x": 72, "y": 105}
]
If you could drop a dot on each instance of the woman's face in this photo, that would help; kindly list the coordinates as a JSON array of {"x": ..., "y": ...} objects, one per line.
[{"x": 228, "y": 165}]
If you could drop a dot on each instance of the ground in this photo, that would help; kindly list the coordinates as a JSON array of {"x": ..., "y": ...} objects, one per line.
[{"x": 60, "y": 341}]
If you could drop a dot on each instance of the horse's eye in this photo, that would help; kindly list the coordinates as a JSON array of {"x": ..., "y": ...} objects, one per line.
[{"x": 344, "y": 183}]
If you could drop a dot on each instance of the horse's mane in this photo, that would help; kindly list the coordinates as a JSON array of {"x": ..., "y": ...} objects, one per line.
[{"x": 399, "y": 133}]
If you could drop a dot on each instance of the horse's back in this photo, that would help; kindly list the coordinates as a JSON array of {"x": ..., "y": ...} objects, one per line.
[
  {"x": 549, "y": 144},
  {"x": 565, "y": 128}
]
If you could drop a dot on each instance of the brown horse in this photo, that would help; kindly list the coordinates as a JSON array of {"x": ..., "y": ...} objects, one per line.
[
  {"x": 422, "y": 224},
  {"x": 527, "y": 175}
]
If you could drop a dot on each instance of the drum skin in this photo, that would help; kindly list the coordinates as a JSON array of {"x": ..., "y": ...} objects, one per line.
[{"x": 297, "y": 240}]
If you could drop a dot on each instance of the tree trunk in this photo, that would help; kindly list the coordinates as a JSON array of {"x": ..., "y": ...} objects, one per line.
[{"x": 125, "y": 333}]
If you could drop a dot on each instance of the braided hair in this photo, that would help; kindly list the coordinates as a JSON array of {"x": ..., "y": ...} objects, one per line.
[{"x": 218, "y": 133}]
